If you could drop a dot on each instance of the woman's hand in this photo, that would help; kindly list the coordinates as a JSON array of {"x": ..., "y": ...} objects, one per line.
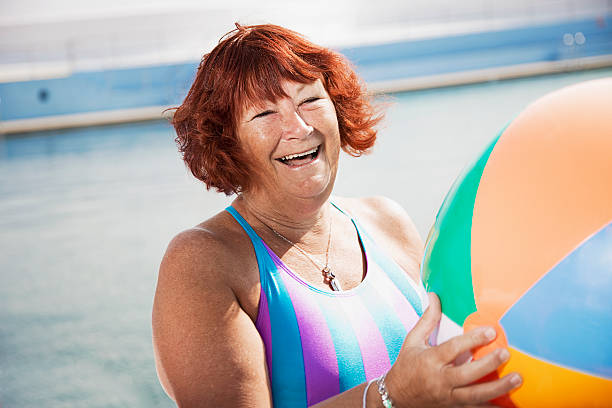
[{"x": 425, "y": 376}]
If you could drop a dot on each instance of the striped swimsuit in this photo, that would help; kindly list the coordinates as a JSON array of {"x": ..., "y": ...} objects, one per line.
[{"x": 319, "y": 344}]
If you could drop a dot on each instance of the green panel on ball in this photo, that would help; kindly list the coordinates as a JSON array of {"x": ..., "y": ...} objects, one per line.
[{"x": 446, "y": 267}]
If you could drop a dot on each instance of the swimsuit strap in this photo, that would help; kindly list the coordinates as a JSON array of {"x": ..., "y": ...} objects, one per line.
[
  {"x": 261, "y": 252},
  {"x": 247, "y": 227},
  {"x": 340, "y": 209}
]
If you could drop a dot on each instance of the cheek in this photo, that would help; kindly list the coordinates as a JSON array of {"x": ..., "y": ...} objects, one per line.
[
  {"x": 258, "y": 144},
  {"x": 325, "y": 120},
  {"x": 334, "y": 129}
]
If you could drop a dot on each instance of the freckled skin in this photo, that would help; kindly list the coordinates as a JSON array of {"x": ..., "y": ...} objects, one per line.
[
  {"x": 207, "y": 349},
  {"x": 299, "y": 122}
]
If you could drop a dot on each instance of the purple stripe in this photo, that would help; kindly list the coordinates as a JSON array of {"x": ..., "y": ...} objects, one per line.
[
  {"x": 320, "y": 362},
  {"x": 265, "y": 328},
  {"x": 394, "y": 297},
  {"x": 371, "y": 343}
]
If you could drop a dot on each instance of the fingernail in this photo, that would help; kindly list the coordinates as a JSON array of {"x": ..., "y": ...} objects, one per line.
[
  {"x": 489, "y": 333},
  {"x": 516, "y": 380},
  {"x": 504, "y": 355}
]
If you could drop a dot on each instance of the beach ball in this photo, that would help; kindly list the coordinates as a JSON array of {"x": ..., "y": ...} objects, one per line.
[{"x": 523, "y": 242}]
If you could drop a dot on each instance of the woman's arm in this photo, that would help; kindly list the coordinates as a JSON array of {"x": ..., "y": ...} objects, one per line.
[{"x": 208, "y": 352}]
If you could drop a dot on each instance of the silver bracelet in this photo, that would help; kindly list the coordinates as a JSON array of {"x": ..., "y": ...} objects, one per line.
[
  {"x": 365, "y": 392},
  {"x": 384, "y": 394}
]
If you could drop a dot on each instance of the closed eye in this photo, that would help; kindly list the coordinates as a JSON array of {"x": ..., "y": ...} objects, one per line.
[
  {"x": 311, "y": 99},
  {"x": 262, "y": 114}
]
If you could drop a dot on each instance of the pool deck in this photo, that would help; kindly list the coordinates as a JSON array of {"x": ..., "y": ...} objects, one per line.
[{"x": 75, "y": 99}]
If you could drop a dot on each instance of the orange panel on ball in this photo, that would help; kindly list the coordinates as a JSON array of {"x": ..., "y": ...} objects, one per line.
[
  {"x": 540, "y": 197},
  {"x": 562, "y": 387}
]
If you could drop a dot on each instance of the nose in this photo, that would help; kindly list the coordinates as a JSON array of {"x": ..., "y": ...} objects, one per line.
[{"x": 294, "y": 126}]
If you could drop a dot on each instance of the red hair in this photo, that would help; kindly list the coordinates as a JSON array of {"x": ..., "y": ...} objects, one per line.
[{"x": 247, "y": 66}]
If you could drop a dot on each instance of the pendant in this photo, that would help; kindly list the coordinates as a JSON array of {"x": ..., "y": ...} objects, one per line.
[
  {"x": 335, "y": 285},
  {"x": 331, "y": 279}
]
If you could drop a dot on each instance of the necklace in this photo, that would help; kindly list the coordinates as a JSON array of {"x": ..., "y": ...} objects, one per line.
[{"x": 328, "y": 275}]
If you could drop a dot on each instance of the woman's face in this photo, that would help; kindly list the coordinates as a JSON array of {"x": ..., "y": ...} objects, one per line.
[{"x": 294, "y": 142}]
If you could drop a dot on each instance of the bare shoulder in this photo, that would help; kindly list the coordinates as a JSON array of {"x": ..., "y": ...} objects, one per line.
[
  {"x": 198, "y": 253},
  {"x": 203, "y": 339},
  {"x": 391, "y": 227},
  {"x": 209, "y": 253}
]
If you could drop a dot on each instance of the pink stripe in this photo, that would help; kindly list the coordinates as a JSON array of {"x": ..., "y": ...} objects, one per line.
[
  {"x": 371, "y": 343},
  {"x": 320, "y": 362},
  {"x": 262, "y": 323},
  {"x": 394, "y": 297}
]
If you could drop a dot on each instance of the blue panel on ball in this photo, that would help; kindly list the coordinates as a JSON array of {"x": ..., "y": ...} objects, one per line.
[{"x": 566, "y": 317}]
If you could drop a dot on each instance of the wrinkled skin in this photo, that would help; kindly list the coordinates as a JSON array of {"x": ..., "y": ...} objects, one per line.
[{"x": 447, "y": 384}]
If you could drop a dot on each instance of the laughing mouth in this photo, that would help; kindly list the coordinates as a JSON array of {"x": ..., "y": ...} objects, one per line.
[{"x": 300, "y": 158}]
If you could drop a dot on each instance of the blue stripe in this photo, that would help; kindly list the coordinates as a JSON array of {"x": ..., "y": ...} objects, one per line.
[
  {"x": 389, "y": 325},
  {"x": 287, "y": 353},
  {"x": 348, "y": 353},
  {"x": 566, "y": 317},
  {"x": 260, "y": 250}
]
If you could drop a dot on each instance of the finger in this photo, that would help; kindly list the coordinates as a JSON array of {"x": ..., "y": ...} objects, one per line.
[
  {"x": 483, "y": 392},
  {"x": 476, "y": 369},
  {"x": 451, "y": 349},
  {"x": 427, "y": 323}
]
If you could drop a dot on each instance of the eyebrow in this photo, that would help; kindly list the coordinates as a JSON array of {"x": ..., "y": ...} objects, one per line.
[{"x": 252, "y": 112}]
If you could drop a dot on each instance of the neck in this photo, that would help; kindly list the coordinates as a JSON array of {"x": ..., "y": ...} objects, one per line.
[{"x": 304, "y": 222}]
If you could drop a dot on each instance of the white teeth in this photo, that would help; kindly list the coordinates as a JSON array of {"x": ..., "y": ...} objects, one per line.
[{"x": 293, "y": 156}]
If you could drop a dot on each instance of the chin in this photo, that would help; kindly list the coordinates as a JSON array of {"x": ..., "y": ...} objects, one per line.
[{"x": 314, "y": 188}]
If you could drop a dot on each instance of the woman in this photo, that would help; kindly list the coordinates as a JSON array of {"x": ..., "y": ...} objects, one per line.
[{"x": 290, "y": 298}]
